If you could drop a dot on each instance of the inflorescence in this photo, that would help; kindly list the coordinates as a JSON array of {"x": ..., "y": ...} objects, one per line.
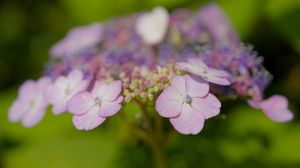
[{"x": 181, "y": 62}]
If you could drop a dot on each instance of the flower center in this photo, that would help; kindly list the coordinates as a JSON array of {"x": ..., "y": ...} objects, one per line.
[
  {"x": 68, "y": 91},
  {"x": 98, "y": 101},
  {"x": 187, "y": 99}
]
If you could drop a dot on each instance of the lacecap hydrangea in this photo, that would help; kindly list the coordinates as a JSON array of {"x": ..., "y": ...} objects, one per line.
[{"x": 179, "y": 65}]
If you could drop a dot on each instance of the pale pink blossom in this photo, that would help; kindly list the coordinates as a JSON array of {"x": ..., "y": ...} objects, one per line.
[
  {"x": 30, "y": 106},
  {"x": 78, "y": 40},
  {"x": 153, "y": 26},
  {"x": 187, "y": 103},
  {"x": 275, "y": 108},
  {"x": 91, "y": 109},
  {"x": 64, "y": 87},
  {"x": 197, "y": 67}
]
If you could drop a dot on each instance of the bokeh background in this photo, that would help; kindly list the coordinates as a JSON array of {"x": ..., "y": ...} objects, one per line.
[{"x": 240, "y": 137}]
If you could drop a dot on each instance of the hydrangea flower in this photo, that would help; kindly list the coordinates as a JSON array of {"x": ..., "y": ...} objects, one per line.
[
  {"x": 197, "y": 67},
  {"x": 30, "y": 106},
  {"x": 174, "y": 61},
  {"x": 78, "y": 40},
  {"x": 153, "y": 26},
  {"x": 187, "y": 103},
  {"x": 275, "y": 107},
  {"x": 91, "y": 109},
  {"x": 63, "y": 88}
]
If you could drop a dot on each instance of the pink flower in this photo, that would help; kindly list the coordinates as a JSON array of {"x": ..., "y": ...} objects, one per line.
[
  {"x": 78, "y": 40},
  {"x": 30, "y": 106},
  {"x": 275, "y": 107},
  {"x": 153, "y": 26},
  {"x": 91, "y": 109},
  {"x": 61, "y": 91},
  {"x": 197, "y": 67},
  {"x": 187, "y": 103}
]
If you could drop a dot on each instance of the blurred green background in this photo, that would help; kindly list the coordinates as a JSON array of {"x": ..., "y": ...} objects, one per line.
[{"x": 240, "y": 137}]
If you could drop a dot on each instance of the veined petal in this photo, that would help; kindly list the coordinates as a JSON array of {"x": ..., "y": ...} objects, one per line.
[
  {"x": 196, "y": 88},
  {"x": 167, "y": 108},
  {"x": 189, "y": 121},
  {"x": 179, "y": 83},
  {"x": 89, "y": 120},
  {"x": 209, "y": 106},
  {"x": 217, "y": 80},
  {"x": 80, "y": 103},
  {"x": 108, "y": 109},
  {"x": 113, "y": 91}
]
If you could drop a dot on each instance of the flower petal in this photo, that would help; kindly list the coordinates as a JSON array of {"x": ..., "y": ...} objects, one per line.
[
  {"x": 108, "y": 109},
  {"x": 276, "y": 108},
  {"x": 60, "y": 107},
  {"x": 89, "y": 120},
  {"x": 218, "y": 73},
  {"x": 179, "y": 83},
  {"x": 196, "y": 88},
  {"x": 33, "y": 117},
  {"x": 217, "y": 80},
  {"x": 189, "y": 121},
  {"x": 167, "y": 108},
  {"x": 16, "y": 111},
  {"x": 80, "y": 103},
  {"x": 209, "y": 106},
  {"x": 75, "y": 77},
  {"x": 107, "y": 92}
]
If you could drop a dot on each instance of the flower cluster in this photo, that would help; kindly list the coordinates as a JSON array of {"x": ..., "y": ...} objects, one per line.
[{"x": 178, "y": 62}]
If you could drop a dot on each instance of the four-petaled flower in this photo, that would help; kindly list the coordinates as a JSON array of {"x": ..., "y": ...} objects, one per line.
[
  {"x": 30, "y": 106},
  {"x": 153, "y": 26},
  {"x": 61, "y": 91},
  {"x": 90, "y": 109},
  {"x": 187, "y": 102},
  {"x": 275, "y": 107},
  {"x": 78, "y": 40},
  {"x": 197, "y": 67}
]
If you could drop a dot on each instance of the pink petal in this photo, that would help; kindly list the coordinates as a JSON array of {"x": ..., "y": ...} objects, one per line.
[
  {"x": 189, "y": 121},
  {"x": 113, "y": 91},
  {"x": 75, "y": 77},
  {"x": 189, "y": 68},
  {"x": 33, "y": 117},
  {"x": 172, "y": 93},
  {"x": 218, "y": 73},
  {"x": 80, "y": 103},
  {"x": 179, "y": 83},
  {"x": 197, "y": 63},
  {"x": 27, "y": 90},
  {"x": 198, "y": 88},
  {"x": 61, "y": 83},
  {"x": 276, "y": 108},
  {"x": 209, "y": 106},
  {"x": 60, "y": 107},
  {"x": 16, "y": 111},
  {"x": 167, "y": 108},
  {"x": 108, "y": 109},
  {"x": 217, "y": 80},
  {"x": 107, "y": 92},
  {"x": 89, "y": 120},
  {"x": 53, "y": 94}
]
